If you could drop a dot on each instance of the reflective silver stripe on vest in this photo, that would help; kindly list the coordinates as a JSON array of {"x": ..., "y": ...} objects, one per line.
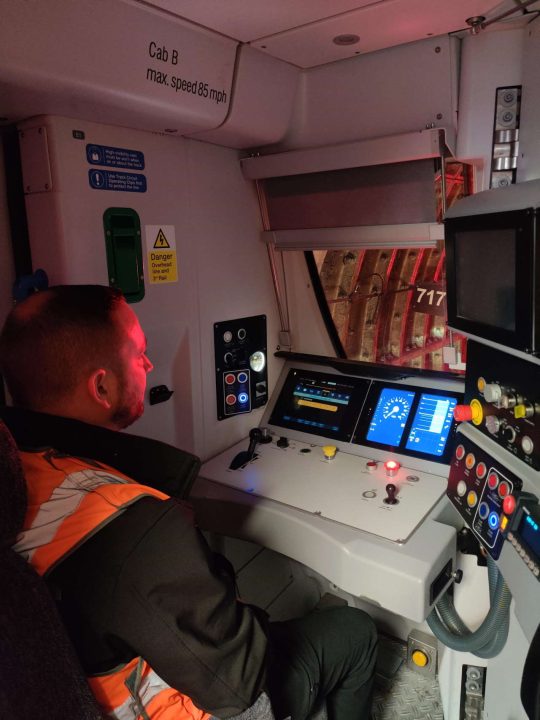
[
  {"x": 150, "y": 686},
  {"x": 63, "y": 502}
]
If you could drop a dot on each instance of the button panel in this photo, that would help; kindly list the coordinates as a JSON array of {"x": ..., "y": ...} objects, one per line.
[
  {"x": 477, "y": 486},
  {"x": 509, "y": 397},
  {"x": 240, "y": 365},
  {"x": 236, "y": 392},
  {"x": 531, "y": 563}
]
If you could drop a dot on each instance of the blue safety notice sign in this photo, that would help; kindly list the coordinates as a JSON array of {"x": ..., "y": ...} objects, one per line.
[
  {"x": 114, "y": 157},
  {"x": 119, "y": 181}
]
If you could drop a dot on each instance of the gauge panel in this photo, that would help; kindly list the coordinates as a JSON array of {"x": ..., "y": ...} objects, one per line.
[{"x": 408, "y": 419}]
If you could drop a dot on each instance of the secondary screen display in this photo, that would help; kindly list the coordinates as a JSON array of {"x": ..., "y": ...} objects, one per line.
[
  {"x": 431, "y": 424},
  {"x": 320, "y": 403},
  {"x": 408, "y": 419}
]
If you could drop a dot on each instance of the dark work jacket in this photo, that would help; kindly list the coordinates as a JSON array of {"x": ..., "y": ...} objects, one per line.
[{"x": 147, "y": 583}]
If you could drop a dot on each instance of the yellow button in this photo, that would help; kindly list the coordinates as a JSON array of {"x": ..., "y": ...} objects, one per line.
[
  {"x": 477, "y": 412},
  {"x": 520, "y": 411},
  {"x": 420, "y": 658},
  {"x": 504, "y": 522},
  {"x": 329, "y": 451},
  {"x": 481, "y": 384},
  {"x": 472, "y": 499}
]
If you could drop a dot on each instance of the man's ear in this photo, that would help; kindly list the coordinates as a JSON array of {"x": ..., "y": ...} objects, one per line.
[{"x": 100, "y": 387}]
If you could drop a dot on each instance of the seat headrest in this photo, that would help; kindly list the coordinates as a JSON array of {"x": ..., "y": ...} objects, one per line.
[{"x": 12, "y": 488}]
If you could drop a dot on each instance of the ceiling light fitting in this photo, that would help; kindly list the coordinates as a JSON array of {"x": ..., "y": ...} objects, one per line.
[
  {"x": 346, "y": 39},
  {"x": 475, "y": 23}
]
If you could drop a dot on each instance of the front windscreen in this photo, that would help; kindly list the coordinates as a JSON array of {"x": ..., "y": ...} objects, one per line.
[{"x": 485, "y": 265}]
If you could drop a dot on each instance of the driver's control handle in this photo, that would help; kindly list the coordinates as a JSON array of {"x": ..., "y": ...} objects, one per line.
[
  {"x": 255, "y": 437},
  {"x": 391, "y": 491},
  {"x": 244, "y": 456}
]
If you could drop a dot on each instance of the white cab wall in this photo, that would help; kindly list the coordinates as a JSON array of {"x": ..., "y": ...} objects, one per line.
[
  {"x": 489, "y": 60},
  {"x": 223, "y": 272},
  {"x": 308, "y": 332},
  {"x": 529, "y": 145},
  {"x": 392, "y": 91}
]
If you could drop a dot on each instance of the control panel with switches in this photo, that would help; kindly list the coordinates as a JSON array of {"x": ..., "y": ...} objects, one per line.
[
  {"x": 503, "y": 401},
  {"x": 240, "y": 364},
  {"x": 351, "y": 484},
  {"x": 483, "y": 491}
]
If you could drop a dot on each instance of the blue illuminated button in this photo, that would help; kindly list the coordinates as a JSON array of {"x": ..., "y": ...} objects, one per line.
[
  {"x": 243, "y": 398},
  {"x": 493, "y": 520},
  {"x": 483, "y": 510},
  {"x": 242, "y": 377}
]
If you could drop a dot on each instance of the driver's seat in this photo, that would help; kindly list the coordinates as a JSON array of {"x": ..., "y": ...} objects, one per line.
[{"x": 40, "y": 677}]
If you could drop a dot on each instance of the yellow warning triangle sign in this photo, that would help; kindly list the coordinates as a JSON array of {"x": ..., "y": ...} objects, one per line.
[{"x": 161, "y": 240}]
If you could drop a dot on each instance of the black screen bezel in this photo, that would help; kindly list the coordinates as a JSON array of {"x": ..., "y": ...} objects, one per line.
[
  {"x": 360, "y": 389},
  {"x": 523, "y": 222},
  {"x": 360, "y": 435}
]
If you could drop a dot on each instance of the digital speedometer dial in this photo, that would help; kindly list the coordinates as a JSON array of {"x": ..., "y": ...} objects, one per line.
[
  {"x": 397, "y": 408},
  {"x": 388, "y": 421}
]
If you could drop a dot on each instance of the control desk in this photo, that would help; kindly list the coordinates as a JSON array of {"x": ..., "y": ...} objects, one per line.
[{"x": 348, "y": 477}]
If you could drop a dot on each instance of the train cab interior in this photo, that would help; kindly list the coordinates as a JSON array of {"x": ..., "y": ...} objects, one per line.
[{"x": 326, "y": 216}]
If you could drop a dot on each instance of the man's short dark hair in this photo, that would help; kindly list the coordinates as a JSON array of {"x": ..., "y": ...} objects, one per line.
[{"x": 55, "y": 337}]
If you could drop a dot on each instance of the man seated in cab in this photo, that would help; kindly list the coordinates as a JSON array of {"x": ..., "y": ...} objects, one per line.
[{"x": 152, "y": 612}]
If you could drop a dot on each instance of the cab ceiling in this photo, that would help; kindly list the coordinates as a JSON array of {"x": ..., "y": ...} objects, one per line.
[{"x": 303, "y": 32}]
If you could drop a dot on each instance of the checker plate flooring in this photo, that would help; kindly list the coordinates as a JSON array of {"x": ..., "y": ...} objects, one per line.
[{"x": 403, "y": 694}]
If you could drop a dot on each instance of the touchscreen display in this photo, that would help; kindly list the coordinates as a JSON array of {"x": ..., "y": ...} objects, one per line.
[
  {"x": 320, "y": 403},
  {"x": 431, "y": 424},
  {"x": 408, "y": 419},
  {"x": 390, "y": 417}
]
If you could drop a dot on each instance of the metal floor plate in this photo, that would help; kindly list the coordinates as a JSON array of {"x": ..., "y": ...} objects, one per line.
[{"x": 403, "y": 694}]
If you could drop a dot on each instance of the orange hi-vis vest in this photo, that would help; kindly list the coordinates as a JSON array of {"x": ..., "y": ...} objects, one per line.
[{"x": 69, "y": 500}]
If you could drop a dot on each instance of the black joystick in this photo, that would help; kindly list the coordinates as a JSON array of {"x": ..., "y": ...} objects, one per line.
[
  {"x": 391, "y": 491},
  {"x": 255, "y": 437},
  {"x": 244, "y": 456}
]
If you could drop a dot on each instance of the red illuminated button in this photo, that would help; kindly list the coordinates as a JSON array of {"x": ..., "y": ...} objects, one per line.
[
  {"x": 391, "y": 467},
  {"x": 470, "y": 461},
  {"x": 493, "y": 480},
  {"x": 481, "y": 470},
  {"x": 509, "y": 504},
  {"x": 230, "y": 399},
  {"x": 229, "y": 378},
  {"x": 503, "y": 489},
  {"x": 460, "y": 452}
]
